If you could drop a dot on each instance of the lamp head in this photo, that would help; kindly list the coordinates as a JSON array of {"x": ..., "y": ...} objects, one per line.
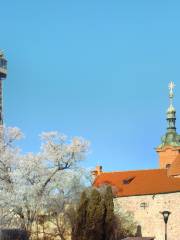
[{"x": 166, "y": 215}]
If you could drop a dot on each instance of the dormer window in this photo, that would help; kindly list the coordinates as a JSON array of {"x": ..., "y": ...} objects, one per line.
[{"x": 128, "y": 180}]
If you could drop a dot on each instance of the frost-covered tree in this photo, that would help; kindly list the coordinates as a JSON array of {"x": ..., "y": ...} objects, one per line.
[{"x": 30, "y": 183}]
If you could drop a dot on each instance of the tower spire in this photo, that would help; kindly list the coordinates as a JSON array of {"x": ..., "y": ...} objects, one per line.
[
  {"x": 171, "y": 112},
  {"x": 171, "y": 93},
  {"x": 171, "y": 138}
]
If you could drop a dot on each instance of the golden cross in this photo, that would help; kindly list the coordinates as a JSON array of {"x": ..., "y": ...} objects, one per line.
[{"x": 171, "y": 87}]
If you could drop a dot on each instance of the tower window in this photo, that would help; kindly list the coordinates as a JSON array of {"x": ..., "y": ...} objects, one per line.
[{"x": 168, "y": 165}]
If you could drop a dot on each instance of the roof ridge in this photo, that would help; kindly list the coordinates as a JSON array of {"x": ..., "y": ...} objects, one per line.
[{"x": 142, "y": 170}]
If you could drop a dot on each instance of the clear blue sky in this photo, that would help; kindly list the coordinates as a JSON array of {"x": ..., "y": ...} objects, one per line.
[{"x": 97, "y": 69}]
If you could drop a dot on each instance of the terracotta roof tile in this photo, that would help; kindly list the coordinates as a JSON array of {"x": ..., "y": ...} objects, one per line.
[{"x": 140, "y": 182}]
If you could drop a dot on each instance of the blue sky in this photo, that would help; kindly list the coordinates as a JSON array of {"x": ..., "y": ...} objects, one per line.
[{"x": 97, "y": 69}]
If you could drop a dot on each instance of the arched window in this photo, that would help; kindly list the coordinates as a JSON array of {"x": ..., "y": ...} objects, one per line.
[{"x": 168, "y": 165}]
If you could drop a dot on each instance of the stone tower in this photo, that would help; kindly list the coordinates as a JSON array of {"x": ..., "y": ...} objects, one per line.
[{"x": 169, "y": 148}]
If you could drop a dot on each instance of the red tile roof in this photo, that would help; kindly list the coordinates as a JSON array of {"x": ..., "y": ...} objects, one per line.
[{"x": 140, "y": 182}]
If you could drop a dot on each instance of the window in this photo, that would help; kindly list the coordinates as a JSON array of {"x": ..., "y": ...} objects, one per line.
[
  {"x": 168, "y": 166},
  {"x": 128, "y": 180},
  {"x": 144, "y": 205}
]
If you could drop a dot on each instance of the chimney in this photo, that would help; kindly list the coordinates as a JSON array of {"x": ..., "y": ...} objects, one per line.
[{"x": 97, "y": 171}]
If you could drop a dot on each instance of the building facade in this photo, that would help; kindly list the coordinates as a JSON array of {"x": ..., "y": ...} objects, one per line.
[{"x": 146, "y": 193}]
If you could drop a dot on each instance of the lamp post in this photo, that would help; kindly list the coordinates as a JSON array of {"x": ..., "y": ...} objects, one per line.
[{"x": 165, "y": 216}]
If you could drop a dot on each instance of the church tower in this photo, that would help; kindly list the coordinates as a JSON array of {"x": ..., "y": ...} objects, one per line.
[{"x": 169, "y": 148}]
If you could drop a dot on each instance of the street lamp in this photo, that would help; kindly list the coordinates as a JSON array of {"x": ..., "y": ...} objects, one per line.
[{"x": 165, "y": 216}]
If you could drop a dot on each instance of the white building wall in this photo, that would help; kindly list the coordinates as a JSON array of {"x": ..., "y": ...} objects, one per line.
[{"x": 149, "y": 218}]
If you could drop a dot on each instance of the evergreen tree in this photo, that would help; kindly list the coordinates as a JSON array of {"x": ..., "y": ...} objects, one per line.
[
  {"x": 109, "y": 214},
  {"x": 79, "y": 230},
  {"x": 95, "y": 216}
]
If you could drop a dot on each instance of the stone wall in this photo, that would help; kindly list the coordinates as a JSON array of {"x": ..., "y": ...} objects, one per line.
[{"x": 146, "y": 210}]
